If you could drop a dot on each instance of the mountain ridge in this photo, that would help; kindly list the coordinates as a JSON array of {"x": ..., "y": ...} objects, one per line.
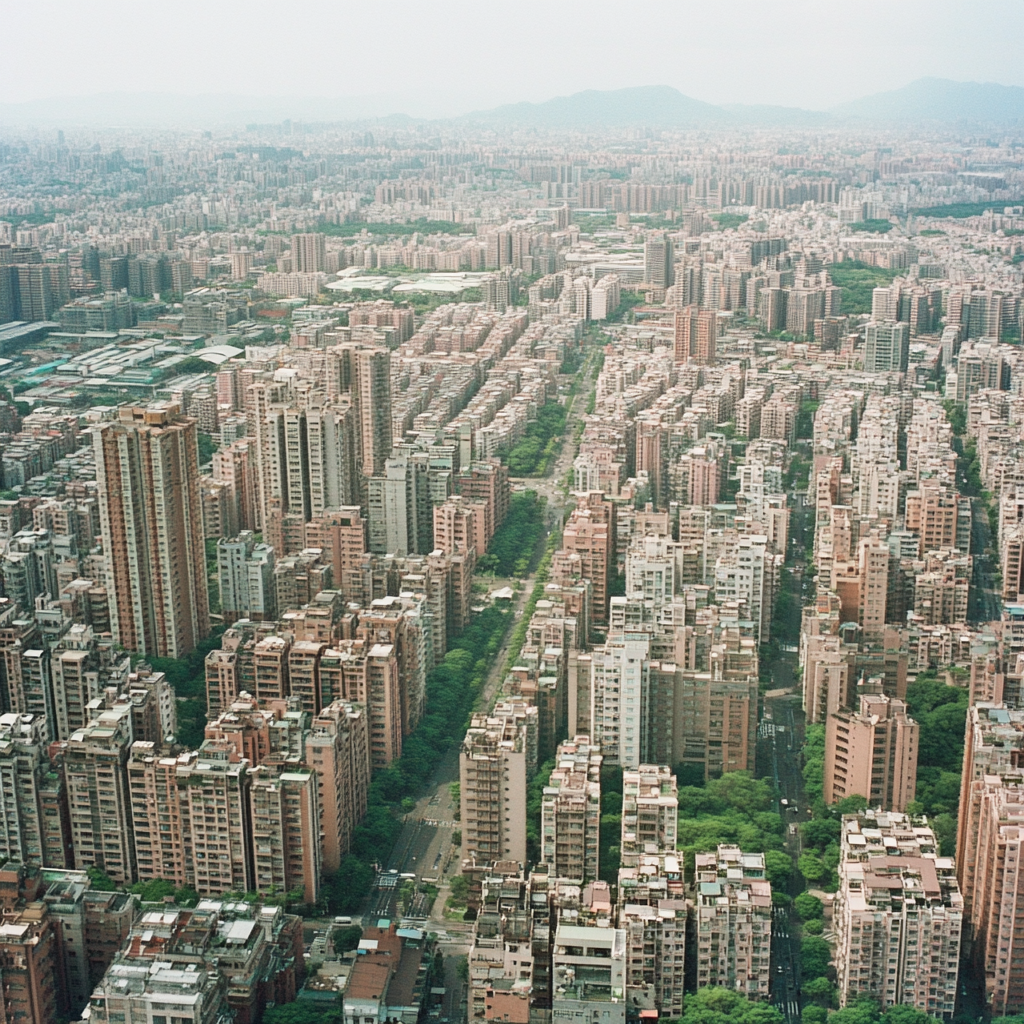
[{"x": 655, "y": 106}]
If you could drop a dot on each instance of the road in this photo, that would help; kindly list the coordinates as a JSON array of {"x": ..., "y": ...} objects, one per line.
[
  {"x": 780, "y": 740},
  {"x": 985, "y": 603},
  {"x": 425, "y": 847},
  {"x": 551, "y": 486}
]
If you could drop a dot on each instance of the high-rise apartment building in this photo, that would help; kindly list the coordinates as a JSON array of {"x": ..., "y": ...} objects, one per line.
[
  {"x": 571, "y": 812},
  {"x": 659, "y": 259},
  {"x": 337, "y": 749},
  {"x": 492, "y": 777},
  {"x": 99, "y": 804},
  {"x": 401, "y": 506},
  {"x": 23, "y": 760},
  {"x": 151, "y": 519},
  {"x": 341, "y": 535},
  {"x": 366, "y": 673},
  {"x": 746, "y": 572},
  {"x": 886, "y": 346},
  {"x": 618, "y": 681},
  {"x": 872, "y": 753},
  {"x": 696, "y": 333},
  {"x": 309, "y": 252},
  {"x": 588, "y": 973},
  {"x": 933, "y": 512},
  {"x": 863, "y": 585},
  {"x": 734, "y": 922},
  {"x": 81, "y": 666},
  {"x": 162, "y": 848},
  {"x": 702, "y": 712},
  {"x": 655, "y": 954},
  {"x": 213, "y": 787},
  {"x": 898, "y": 915},
  {"x": 650, "y": 812},
  {"x": 311, "y": 448},
  {"x": 245, "y": 571},
  {"x": 589, "y": 540},
  {"x": 997, "y": 897},
  {"x": 990, "y": 845},
  {"x": 371, "y": 393},
  {"x": 285, "y": 821},
  {"x": 30, "y": 966}
]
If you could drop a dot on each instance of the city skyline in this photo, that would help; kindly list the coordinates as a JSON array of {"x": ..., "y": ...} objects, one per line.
[{"x": 560, "y": 566}]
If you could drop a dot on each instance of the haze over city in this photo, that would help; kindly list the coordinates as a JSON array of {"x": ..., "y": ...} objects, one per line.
[
  {"x": 512, "y": 515},
  {"x": 451, "y": 58}
]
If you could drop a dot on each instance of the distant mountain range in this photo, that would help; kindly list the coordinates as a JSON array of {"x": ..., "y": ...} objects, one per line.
[
  {"x": 940, "y": 99},
  {"x": 937, "y": 100},
  {"x": 661, "y": 106}
]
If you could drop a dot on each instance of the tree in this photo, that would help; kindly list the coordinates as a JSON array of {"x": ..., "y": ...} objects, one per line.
[
  {"x": 459, "y": 886},
  {"x": 815, "y": 956},
  {"x": 811, "y": 867},
  {"x": 819, "y": 832},
  {"x": 820, "y": 991},
  {"x": 861, "y": 1011},
  {"x": 851, "y": 805},
  {"x": 207, "y": 446},
  {"x": 153, "y": 891},
  {"x": 778, "y": 867},
  {"x": 808, "y": 907},
  {"x": 186, "y": 896},
  {"x": 908, "y": 1015},
  {"x": 303, "y": 1012},
  {"x": 100, "y": 880},
  {"x": 715, "y": 1005},
  {"x": 345, "y": 889},
  {"x": 346, "y": 939}
]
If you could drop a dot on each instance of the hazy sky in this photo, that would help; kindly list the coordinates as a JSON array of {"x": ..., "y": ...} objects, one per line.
[{"x": 451, "y": 56}]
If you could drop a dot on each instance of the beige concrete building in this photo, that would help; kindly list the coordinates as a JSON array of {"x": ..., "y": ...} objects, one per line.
[
  {"x": 588, "y": 550},
  {"x": 931, "y": 512},
  {"x": 363, "y": 673},
  {"x": 734, "y": 921},
  {"x": 872, "y": 753},
  {"x": 650, "y": 811},
  {"x": 571, "y": 812},
  {"x": 99, "y": 804},
  {"x": 161, "y": 844},
  {"x": 337, "y": 748},
  {"x": 993, "y": 746},
  {"x": 23, "y": 746},
  {"x": 997, "y": 897},
  {"x": 30, "y": 964},
  {"x": 990, "y": 847},
  {"x": 492, "y": 776},
  {"x": 285, "y": 821},
  {"x": 898, "y": 915},
  {"x": 147, "y": 468},
  {"x": 696, "y": 333},
  {"x": 309, "y": 252}
]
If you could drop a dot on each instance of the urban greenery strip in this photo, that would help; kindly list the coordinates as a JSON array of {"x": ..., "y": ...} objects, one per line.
[
  {"x": 452, "y": 688},
  {"x": 543, "y": 570}
]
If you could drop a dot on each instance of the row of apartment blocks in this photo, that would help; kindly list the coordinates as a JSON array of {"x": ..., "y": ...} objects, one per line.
[
  {"x": 334, "y": 707},
  {"x": 892, "y": 548},
  {"x": 553, "y": 944},
  {"x": 69, "y": 951},
  {"x": 268, "y": 801}
]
